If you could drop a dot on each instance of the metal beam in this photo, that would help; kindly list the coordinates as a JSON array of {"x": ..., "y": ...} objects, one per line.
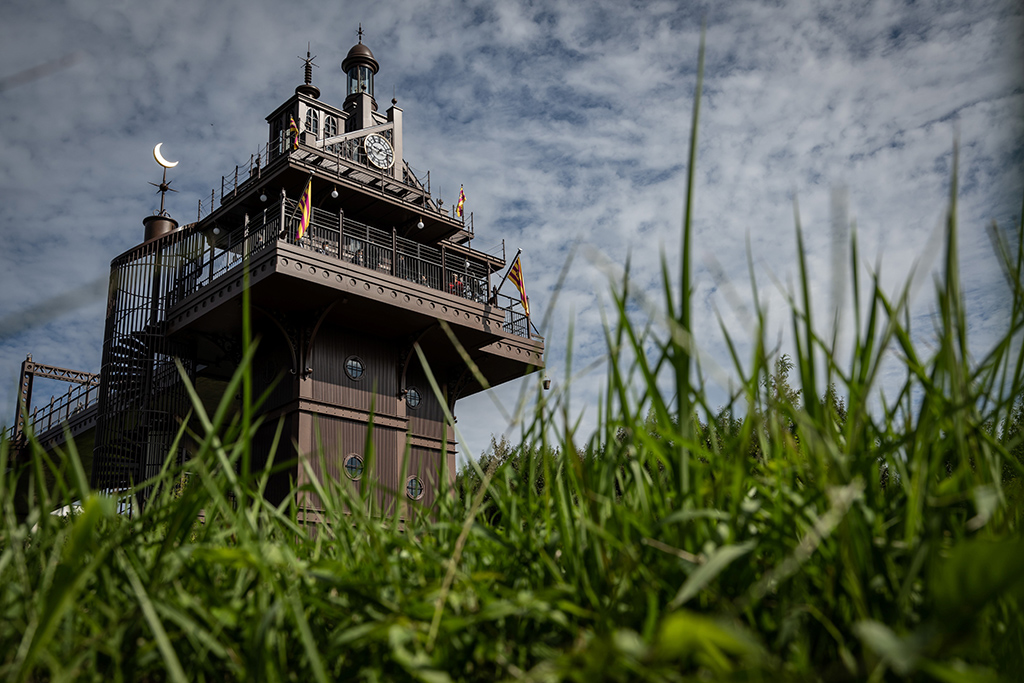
[
  {"x": 362, "y": 132},
  {"x": 30, "y": 370},
  {"x": 63, "y": 374}
]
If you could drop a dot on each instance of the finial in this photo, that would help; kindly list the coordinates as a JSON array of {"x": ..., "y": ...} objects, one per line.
[
  {"x": 307, "y": 88},
  {"x": 163, "y": 187},
  {"x": 309, "y": 64},
  {"x": 360, "y": 32}
]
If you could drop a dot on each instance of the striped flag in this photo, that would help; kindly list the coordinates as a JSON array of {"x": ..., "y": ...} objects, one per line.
[
  {"x": 459, "y": 208},
  {"x": 515, "y": 274},
  {"x": 306, "y": 207},
  {"x": 293, "y": 131}
]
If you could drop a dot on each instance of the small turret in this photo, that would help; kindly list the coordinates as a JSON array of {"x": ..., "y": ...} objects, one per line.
[{"x": 359, "y": 66}]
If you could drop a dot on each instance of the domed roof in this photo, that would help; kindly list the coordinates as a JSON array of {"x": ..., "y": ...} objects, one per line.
[{"x": 360, "y": 54}]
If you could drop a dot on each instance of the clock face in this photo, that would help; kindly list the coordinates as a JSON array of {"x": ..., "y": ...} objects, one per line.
[{"x": 378, "y": 151}]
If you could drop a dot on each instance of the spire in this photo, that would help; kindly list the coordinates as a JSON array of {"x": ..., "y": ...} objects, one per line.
[{"x": 308, "y": 88}]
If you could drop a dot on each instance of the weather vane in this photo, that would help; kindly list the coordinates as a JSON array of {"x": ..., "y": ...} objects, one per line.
[{"x": 164, "y": 186}]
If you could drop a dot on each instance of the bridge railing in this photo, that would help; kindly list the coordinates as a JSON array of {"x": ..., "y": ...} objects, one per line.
[{"x": 60, "y": 409}]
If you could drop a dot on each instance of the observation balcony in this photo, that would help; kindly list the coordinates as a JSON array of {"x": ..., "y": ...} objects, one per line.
[
  {"x": 454, "y": 270},
  {"x": 353, "y": 276},
  {"x": 344, "y": 163}
]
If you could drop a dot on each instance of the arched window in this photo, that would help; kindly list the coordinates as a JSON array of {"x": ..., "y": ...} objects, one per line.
[
  {"x": 313, "y": 121},
  {"x": 330, "y": 130},
  {"x": 276, "y": 137}
]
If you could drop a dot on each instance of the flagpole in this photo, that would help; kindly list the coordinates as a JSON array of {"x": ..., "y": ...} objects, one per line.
[
  {"x": 520, "y": 251},
  {"x": 284, "y": 230}
]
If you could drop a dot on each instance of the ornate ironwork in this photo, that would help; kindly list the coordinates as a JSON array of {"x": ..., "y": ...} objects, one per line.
[
  {"x": 60, "y": 408},
  {"x": 339, "y": 161},
  {"x": 142, "y": 397},
  {"x": 455, "y": 272}
]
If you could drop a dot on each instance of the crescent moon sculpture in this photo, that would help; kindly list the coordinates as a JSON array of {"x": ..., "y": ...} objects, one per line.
[{"x": 160, "y": 157}]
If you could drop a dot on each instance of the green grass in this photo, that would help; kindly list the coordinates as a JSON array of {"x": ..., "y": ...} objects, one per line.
[{"x": 785, "y": 537}]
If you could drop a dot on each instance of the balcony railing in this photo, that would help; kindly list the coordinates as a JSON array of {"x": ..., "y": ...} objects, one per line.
[
  {"x": 439, "y": 268},
  {"x": 338, "y": 160}
]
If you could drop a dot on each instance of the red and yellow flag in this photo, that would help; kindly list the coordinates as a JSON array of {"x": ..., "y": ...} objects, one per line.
[
  {"x": 460, "y": 207},
  {"x": 293, "y": 132},
  {"x": 306, "y": 207},
  {"x": 515, "y": 274}
]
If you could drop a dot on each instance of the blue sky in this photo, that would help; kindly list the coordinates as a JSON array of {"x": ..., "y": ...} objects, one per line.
[{"x": 567, "y": 123}]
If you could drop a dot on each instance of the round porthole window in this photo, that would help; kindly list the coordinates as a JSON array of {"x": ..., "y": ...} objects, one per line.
[
  {"x": 412, "y": 397},
  {"x": 354, "y": 367},
  {"x": 354, "y": 467},
  {"x": 414, "y": 488}
]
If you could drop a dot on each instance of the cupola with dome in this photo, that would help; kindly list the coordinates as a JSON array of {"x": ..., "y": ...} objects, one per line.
[{"x": 359, "y": 67}]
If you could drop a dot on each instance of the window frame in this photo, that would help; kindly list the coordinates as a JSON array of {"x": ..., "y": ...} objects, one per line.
[
  {"x": 419, "y": 482},
  {"x": 362, "y": 368},
  {"x": 312, "y": 115},
  {"x": 410, "y": 394},
  {"x": 362, "y": 466}
]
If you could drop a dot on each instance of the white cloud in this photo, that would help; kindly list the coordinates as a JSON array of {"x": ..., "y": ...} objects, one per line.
[{"x": 565, "y": 121}]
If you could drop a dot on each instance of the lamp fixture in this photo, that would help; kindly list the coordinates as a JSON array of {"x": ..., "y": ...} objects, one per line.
[
  {"x": 334, "y": 192},
  {"x": 263, "y": 195},
  {"x": 420, "y": 224}
]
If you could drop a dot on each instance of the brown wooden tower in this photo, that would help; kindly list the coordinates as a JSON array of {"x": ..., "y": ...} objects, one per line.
[{"x": 339, "y": 303}]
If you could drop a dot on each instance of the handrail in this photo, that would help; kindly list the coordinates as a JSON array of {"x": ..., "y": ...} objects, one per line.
[
  {"x": 60, "y": 409},
  {"x": 244, "y": 175},
  {"x": 336, "y": 237}
]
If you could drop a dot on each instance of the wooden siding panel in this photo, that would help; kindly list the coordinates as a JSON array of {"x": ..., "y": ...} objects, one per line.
[
  {"x": 379, "y": 383},
  {"x": 386, "y": 470},
  {"x": 271, "y": 367},
  {"x": 280, "y": 484},
  {"x": 427, "y": 419},
  {"x": 337, "y": 438},
  {"x": 426, "y": 464}
]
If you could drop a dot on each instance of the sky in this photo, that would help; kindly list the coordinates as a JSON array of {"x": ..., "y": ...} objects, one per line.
[{"x": 568, "y": 124}]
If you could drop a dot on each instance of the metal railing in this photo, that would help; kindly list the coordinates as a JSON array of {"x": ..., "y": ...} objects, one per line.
[
  {"x": 336, "y": 159},
  {"x": 238, "y": 180},
  {"x": 60, "y": 409},
  {"x": 438, "y": 268},
  {"x": 516, "y": 320}
]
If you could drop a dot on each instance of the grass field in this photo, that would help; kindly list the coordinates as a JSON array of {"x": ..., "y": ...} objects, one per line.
[{"x": 790, "y": 536}]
